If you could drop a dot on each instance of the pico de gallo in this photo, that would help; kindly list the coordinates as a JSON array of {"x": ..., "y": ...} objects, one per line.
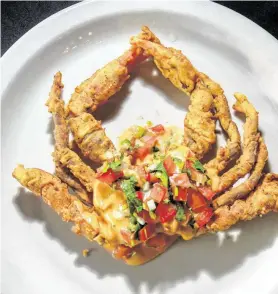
[{"x": 161, "y": 179}]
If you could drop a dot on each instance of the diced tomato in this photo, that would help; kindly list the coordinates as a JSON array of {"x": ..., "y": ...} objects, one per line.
[
  {"x": 144, "y": 214},
  {"x": 149, "y": 140},
  {"x": 110, "y": 176},
  {"x": 122, "y": 251},
  {"x": 158, "y": 129},
  {"x": 150, "y": 177},
  {"x": 142, "y": 152},
  {"x": 180, "y": 180},
  {"x": 158, "y": 241},
  {"x": 188, "y": 164},
  {"x": 166, "y": 212},
  {"x": 182, "y": 194},
  {"x": 158, "y": 192},
  {"x": 195, "y": 200},
  {"x": 140, "y": 195},
  {"x": 126, "y": 235},
  {"x": 145, "y": 233},
  {"x": 204, "y": 216},
  {"x": 169, "y": 165},
  {"x": 207, "y": 192}
]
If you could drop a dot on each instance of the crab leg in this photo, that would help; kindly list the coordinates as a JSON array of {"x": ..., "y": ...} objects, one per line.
[
  {"x": 61, "y": 135},
  {"x": 199, "y": 123},
  {"x": 245, "y": 188},
  {"x": 106, "y": 81},
  {"x": 250, "y": 142},
  {"x": 78, "y": 168},
  {"x": 263, "y": 200},
  {"x": 96, "y": 224},
  {"x": 91, "y": 138},
  {"x": 232, "y": 149}
]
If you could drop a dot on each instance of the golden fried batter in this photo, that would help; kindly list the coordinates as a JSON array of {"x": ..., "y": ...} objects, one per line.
[
  {"x": 61, "y": 135},
  {"x": 91, "y": 138},
  {"x": 106, "y": 81},
  {"x": 97, "y": 223},
  {"x": 232, "y": 149},
  {"x": 245, "y": 188},
  {"x": 263, "y": 200},
  {"x": 250, "y": 144},
  {"x": 78, "y": 168},
  {"x": 199, "y": 125}
]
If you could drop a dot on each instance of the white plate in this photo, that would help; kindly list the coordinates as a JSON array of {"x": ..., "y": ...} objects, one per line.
[{"x": 39, "y": 253}]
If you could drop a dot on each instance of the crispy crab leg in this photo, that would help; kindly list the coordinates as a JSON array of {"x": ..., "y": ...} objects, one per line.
[
  {"x": 199, "y": 123},
  {"x": 56, "y": 195},
  {"x": 232, "y": 149},
  {"x": 96, "y": 224},
  {"x": 106, "y": 81},
  {"x": 245, "y": 188},
  {"x": 91, "y": 138},
  {"x": 263, "y": 200},
  {"x": 61, "y": 135},
  {"x": 250, "y": 146},
  {"x": 78, "y": 168}
]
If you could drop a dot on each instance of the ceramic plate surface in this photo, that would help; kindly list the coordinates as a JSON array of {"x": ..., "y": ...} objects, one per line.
[{"x": 39, "y": 252}]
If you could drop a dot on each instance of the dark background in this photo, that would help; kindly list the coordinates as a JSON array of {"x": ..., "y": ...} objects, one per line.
[{"x": 17, "y": 17}]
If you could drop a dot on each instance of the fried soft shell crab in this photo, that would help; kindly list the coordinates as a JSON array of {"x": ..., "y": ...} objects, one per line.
[{"x": 153, "y": 188}]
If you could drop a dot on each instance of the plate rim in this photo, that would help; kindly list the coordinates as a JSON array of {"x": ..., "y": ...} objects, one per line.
[{"x": 26, "y": 46}]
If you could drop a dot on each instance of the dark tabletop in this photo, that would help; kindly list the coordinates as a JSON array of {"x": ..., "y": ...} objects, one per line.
[{"x": 17, "y": 17}]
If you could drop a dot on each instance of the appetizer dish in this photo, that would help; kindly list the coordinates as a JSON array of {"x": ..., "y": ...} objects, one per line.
[{"x": 152, "y": 189}]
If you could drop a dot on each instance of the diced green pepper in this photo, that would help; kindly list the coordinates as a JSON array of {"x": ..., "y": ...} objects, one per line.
[{"x": 139, "y": 132}]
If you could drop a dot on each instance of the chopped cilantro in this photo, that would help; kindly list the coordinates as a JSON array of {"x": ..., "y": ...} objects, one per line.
[
  {"x": 162, "y": 174},
  {"x": 128, "y": 187},
  {"x": 180, "y": 213},
  {"x": 198, "y": 166},
  {"x": 114, "y": 165},
  {"x": 126, "y": 142},
  {"x": 178, "y": 162}
]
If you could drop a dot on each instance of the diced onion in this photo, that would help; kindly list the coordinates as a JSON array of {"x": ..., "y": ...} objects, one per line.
[
  {"x": 146, "y": 187},
  {"x": 151, "y": 204},
  {"x": 140, "y": 220}
]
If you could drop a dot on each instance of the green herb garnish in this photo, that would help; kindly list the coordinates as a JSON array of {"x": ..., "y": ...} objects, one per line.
[
  {"x": 126, "y": 142},
  {"x": 128, "y": 187},
  {"x": 180, "y": 213},
  {"x": 160, "y": 172},
  {"x": 198, "y": 166},
  {"x": 114, "y": 165}
]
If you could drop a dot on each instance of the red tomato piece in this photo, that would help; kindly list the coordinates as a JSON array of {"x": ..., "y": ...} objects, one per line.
[
  {"x": 140, "y": 195},
  {"x": 144, "y": 214},
  {"x": 158, "y": 129},
  {"x": 142, "y": 152},
  {"x": 126, "y": 235},
  {"x": 166, "y": 212},
  {"x": 180, "y": 180},
  {"x": 207, "y": 192},
  {"x": 189, "y": 164},
  {"x": 152, "y": 178},
  {"x": 158, "y": 241},
  {"x": 182, "y": 194},
  {"x": 169, "y": 165},
  {"x": 145, "y": 233},
  {"x": 196, "y": 200},
  {"x": 110, "y": 176},
  {"x": 204, "y": 216},
  {"x": 158, "y": 192},
  {"x": 122, "y": 251}
]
